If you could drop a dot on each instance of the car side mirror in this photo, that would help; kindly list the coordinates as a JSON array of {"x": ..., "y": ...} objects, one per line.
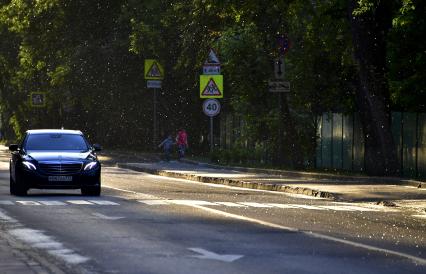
[
  {"x": 97, "y": 147},
  {"x": 13, "y": 147}
]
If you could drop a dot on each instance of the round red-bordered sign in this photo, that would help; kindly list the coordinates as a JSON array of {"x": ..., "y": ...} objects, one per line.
[
  {"x": 211, "y": 107},
  {"x": 284, "y": 44}
]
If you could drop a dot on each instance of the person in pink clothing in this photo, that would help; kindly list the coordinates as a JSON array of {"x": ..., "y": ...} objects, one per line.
[{"x": 182, "y": 142}]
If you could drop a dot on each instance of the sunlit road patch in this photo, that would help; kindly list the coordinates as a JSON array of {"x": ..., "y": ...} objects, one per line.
[{"x": 343, "y": 207}]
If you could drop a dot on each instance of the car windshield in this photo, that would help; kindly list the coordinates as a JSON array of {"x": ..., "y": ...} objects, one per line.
[{"x": 55, "y": 141}]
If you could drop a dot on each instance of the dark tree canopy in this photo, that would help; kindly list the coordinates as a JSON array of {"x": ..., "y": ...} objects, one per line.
[{"x": 87, "y": 56}]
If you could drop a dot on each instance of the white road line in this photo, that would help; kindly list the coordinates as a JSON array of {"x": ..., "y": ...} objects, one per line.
[
  {"x": 230, "y": 204},
  {"x": 59, "y": 203},
  {"x": 191, "y": 202},
  {"x": 256, "y": 205},
  {"x": 422, "y": 216},
  {"x": 105, "y": 217},
  {"x": 6, "y": 202},
  {"x": 311, "y": 234},
  {"x": 308, "y": 207},
  {"x": 103, "y": 202},
  {"x": 154, "y": 202},
  {"x": 349, "y": 208},
  {"x": 208, "y": 255},
  {"x": 359, "y": 208},
  {"x": 285, "y": 206},
  {"x": 79, "y": 202},
  {"x": 315, "y": 235},
  {"x": 28, "y": 203},
  {"x": 336, "y": 208}
]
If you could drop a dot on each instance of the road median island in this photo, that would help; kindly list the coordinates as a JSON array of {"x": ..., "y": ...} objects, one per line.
[
  {"x": 317, "y": 175},
  {"x": 229, "y": 182}
]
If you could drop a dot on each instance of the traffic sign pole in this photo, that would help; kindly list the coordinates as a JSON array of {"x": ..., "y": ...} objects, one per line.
[
  {"x": 211, "y": 108},
  {"x": 155, "y": 123},
  {"x": 281, "y": 86},
  {"x": 211, "y": 135},
  {"x": 281, "y": 97},
  {"x": 211, "y": 86},
  {"x": 154, "y": 73}
]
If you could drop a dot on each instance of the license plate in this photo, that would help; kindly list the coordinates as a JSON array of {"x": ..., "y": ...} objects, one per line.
[{"x": 60, "y": 178}]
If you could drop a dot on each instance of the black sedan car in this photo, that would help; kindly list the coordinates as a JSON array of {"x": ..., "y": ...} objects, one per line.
[{"x": 54, "y": 159}]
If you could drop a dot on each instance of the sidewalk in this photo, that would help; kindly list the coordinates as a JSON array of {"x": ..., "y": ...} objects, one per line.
[{"x": 383, "y": 190}]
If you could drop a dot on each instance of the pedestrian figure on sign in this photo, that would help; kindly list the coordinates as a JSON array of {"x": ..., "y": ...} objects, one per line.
[
  {"x": 167, "y": 145},
  {"x": 182, "y": 143}
]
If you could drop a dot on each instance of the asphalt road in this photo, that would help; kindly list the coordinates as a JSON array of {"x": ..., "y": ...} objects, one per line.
[{"x": 149, "y": 224}]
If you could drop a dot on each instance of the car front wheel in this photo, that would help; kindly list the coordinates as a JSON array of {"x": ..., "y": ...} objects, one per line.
[{"x": 17, "y": 187}]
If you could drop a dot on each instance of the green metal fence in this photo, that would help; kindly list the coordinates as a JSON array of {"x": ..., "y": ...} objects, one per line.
[{"x": 340, "y": 143}]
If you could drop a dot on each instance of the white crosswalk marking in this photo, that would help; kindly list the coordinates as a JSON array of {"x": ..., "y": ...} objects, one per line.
[
  {"x": 255, "y": 204},
  {"x": 103, "y": 202},
  {"x": 154, "y": 202},
  {"x": 28, "y": 203},
  {"x": 57, "y": 203},
  {"x": 52, "y": 203},
  {"x": 79, "y": 202},
  {"x": 230, "y": 204}
]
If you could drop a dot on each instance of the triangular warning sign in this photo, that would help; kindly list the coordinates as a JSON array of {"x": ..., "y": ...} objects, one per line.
[
  {"x": 154, "y": 71},
  {"x": 212, "y": 58},
  {"x": 211, "y": 89}
]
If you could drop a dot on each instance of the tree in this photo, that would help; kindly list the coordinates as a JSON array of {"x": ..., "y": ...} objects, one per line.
[
  {"x": 407, "y": 57},
  {"x": 370, "y": 22}
]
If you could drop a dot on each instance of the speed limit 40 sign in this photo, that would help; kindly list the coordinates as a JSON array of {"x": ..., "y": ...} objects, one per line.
[{"x": 211, "y": 107}]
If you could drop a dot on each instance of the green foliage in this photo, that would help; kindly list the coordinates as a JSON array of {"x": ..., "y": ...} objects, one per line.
[
  {"x": 88, "y": 56},
  {"x": 407, "y": 57}
]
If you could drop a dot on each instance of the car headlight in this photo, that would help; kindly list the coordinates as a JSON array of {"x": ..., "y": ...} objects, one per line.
[
  {"x": 29, "y": 165},
  {"x": 90, "y": 165}
]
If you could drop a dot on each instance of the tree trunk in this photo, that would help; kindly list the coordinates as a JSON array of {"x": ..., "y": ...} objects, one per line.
[
  {"x": 369, "y": 40},
  {"x": 290, "y": 139}
]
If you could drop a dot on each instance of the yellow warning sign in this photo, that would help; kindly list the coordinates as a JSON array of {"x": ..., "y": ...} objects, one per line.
[
  {"x": 153, "y": 70},
  {"x": 211, "y": 86}
]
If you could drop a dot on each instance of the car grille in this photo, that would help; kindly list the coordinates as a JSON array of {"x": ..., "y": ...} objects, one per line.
[{"x": 60, "y": 168}]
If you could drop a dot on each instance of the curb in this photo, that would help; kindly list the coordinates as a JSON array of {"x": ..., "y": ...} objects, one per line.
[
  {"x": 235, "y": 183},
  {"x": 377, "y": 180}
]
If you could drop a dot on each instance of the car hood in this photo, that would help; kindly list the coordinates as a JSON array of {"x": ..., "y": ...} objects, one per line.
[{"x": 59, "y": 156}]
